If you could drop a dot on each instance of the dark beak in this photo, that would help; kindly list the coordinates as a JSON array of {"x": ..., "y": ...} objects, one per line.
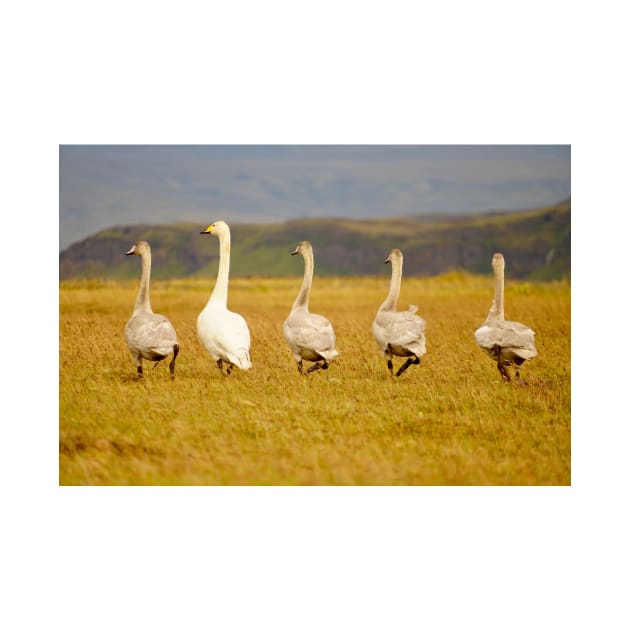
[{"x": 295, "y": 251}]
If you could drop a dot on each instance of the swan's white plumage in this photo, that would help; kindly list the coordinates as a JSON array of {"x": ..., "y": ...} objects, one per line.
[
  {"x": 506, "y": 342},
  {"x": 225, "y": 336},
  {"x": 149, "y": 335},
  {"x": 310, "y": 336},
  {"x": 223, "y": 333},
  {"x": 398, "y": 333}
]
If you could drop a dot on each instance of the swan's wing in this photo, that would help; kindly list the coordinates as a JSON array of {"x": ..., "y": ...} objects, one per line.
[
  {"x": 311, "y": 331},
  {"x": 225, "y": 335},
  {"x": 402, "y": 328},
  {"x": 507, "y": 335},
  {"x": 409, "y": 335},
  {"x": 150, "y": 333},
  {"x": 379, "y": 334}
]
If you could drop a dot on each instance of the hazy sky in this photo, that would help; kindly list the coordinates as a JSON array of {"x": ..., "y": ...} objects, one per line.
[{"x": 102, "y": 186}]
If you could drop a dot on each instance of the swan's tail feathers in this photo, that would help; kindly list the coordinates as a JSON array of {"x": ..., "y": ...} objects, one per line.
[
  {"x": 329, "y": 354},
  {"x": 419, "y": 349},
  {"x": 525, "y": 353},
  {"x": 242, "y": 360}
]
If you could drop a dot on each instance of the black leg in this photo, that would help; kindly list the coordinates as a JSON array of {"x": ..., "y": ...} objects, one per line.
[
  {"x": 228, "y": 367},
  {"x": 504, "y": 375},
  {"x": 140, "y": 371},
  {"x": 507, "y": 371},
  {"x": 390, "y": 367},
  {"x": 410, "y": 361},
  {"x": 317, "y": 366},
  {"x": 171, "y": 365},
  {"x": 299, "y": 366},
  {"x": 501, "y": 366}
]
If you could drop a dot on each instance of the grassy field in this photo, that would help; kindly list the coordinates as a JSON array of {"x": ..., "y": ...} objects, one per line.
[{"x": 447, "y": 421}]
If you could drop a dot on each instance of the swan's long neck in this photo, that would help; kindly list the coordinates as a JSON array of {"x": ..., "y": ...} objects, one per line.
[
  {"x": 220, "y": 292},
  {"x": 394, "y": 288},
  {"x": 496, "y": 310},
  {"x": 142, "y": 301},
  {"x": 301, "y": 301}
]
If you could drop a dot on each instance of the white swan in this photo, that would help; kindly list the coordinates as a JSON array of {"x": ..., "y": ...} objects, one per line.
[
  {"x": 224, "y": 334},
  {"x": 149, "y": 336},
  {"x": 311, "y": 337},
  {"x": 398, "y": 333},
  {"x": 510, "y": 344}
]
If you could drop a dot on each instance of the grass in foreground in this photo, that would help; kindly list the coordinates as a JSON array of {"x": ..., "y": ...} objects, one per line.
[{"x": 449, "y": 420}]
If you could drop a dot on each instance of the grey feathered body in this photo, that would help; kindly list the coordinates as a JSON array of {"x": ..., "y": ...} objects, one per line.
[
  {"x": 515, "y": 340},
  {"x": 400, "y": 333},
  {"x": 150, "y": 335},
  {"x": 508, "y": 343},
  {"x": 309, "y": 336}
]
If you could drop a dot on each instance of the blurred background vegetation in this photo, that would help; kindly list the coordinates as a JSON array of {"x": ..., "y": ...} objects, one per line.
[{"x": 536, "y": 244}]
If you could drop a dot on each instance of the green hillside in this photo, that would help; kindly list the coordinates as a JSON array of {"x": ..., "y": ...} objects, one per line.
[{"x": 536, "y": 244}]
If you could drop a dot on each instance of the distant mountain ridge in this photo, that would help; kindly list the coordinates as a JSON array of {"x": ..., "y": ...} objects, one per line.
[{"x": 536, "y": 244}]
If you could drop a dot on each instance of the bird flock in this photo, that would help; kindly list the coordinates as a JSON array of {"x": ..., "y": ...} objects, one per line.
[{"x": 310, "y": 336}]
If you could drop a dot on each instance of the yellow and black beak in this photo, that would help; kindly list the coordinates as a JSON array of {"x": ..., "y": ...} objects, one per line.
[{"x": 208, "y": 230}]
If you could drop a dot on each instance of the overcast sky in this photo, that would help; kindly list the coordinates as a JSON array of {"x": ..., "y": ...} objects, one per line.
[{"x": 102, "y": 186}]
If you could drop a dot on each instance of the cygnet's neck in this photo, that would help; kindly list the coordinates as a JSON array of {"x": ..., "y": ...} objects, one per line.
[
  {"x": 496, "y": 310},
  {"x": 143, "y": 303},
  {"x": 391, "y": 300},
  {"x": 301, "y": 301}
]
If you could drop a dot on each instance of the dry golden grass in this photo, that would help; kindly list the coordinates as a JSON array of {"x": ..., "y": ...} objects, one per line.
[{"x": 447, "y": 421}]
